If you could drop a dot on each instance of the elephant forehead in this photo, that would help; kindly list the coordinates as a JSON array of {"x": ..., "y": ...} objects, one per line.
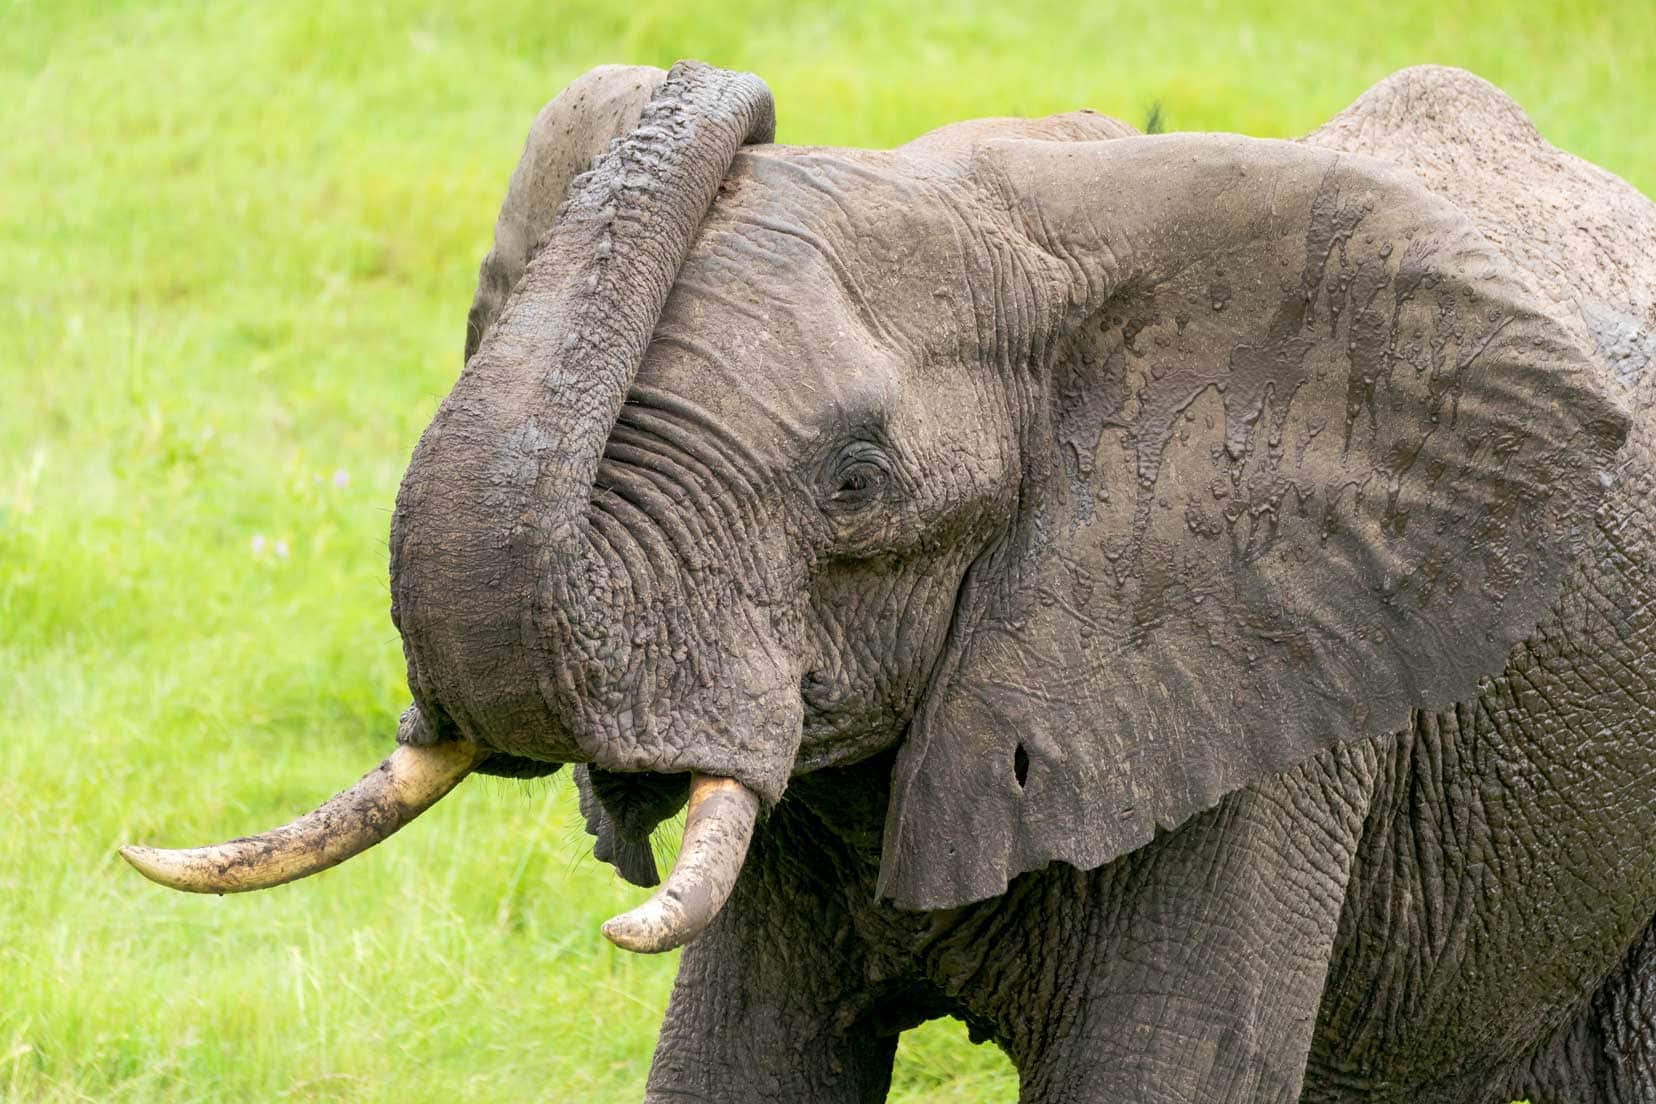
[
  {"x": 890, "y": 238},
  {"x": 812, "y": 284},
  {"x": 772, "y": 370}
]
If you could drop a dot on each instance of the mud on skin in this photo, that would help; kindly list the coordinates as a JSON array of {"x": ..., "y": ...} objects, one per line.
[{"x": 1182, "y": 604}]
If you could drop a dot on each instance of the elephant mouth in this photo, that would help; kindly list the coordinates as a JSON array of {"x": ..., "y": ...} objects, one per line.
[
  {"x": 717, "y": 832},
  {"x": 501, "y": 765}
]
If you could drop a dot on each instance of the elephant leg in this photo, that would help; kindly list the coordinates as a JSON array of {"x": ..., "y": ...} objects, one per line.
[
  {"x": 1606, "y": 1054},
  {"x": 1192, "y": 970},
  {"x": 776, "y": 1000}
]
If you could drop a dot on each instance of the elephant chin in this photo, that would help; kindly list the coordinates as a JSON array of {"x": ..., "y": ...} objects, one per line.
[{"x": 411, "y": 780}]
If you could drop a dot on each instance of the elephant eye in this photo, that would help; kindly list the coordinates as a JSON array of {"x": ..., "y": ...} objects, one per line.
[
  {"x": 859, "y": 478},
  {"x": 859, "y": 482}
]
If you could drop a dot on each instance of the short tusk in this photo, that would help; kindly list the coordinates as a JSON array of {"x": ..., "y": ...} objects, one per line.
[
  {"x": 407, "y": 784},
  {"x": 716, "y": 837}
]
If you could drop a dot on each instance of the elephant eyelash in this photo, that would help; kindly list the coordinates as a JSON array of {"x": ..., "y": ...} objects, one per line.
[{"x": 858, "y": 478}]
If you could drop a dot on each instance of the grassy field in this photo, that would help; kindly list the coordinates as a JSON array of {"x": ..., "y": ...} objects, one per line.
[{"x": 237, "y": 244}]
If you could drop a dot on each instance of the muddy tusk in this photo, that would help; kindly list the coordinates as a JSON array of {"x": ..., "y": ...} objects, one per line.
[
  {"x": 716, "y": 837},
  {"x": 407, "y": 784}
]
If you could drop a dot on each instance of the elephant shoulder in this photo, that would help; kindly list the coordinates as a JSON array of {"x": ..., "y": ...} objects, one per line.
[{"x": 1586, "y": 237}]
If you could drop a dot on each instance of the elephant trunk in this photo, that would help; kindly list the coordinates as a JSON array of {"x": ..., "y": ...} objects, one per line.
[
  {"x": 514, "y": 613},
  {"x": 510, "y": 610}
]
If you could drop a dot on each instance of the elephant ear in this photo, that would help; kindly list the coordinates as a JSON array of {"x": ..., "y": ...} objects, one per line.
[
  {"x": 569, "y": 133},
  {"x": 1303, "y": 454}
]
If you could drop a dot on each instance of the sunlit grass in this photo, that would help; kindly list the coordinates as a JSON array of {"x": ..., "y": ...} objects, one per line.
[{"x": 236, "y": 247}]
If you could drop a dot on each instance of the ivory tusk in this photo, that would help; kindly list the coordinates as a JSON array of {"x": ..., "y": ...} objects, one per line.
[
  {"x": 716, "y": 836},
  {"x": 408, "y": 783}
]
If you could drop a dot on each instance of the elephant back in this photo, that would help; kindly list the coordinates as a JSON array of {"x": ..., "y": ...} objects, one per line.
[{"x": 1584, "y": 235}]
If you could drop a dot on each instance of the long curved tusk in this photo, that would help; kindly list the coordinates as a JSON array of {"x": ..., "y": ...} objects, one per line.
[
  {"x": 716, "y": 837},
  {"x": 407, "y": 784}
]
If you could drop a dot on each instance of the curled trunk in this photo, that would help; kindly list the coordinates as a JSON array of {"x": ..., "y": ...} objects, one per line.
[
  {"x": 509, "y": 619},
  {"x": 516, "y": 620}
]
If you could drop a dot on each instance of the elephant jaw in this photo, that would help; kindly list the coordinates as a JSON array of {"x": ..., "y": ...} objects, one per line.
[{"x": 411, "y": 780}]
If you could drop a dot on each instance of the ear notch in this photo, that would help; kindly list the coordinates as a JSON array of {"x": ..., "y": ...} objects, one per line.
[
  {"x": 1305, "y": 456},
  {"x": 569, "y": 133}
]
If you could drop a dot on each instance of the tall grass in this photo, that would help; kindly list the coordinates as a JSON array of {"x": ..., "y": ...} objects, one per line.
[{"x": 236, "y": 247}]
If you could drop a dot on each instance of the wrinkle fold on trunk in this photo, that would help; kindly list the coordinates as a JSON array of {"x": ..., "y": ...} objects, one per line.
[{"x": 506, "y": 612}]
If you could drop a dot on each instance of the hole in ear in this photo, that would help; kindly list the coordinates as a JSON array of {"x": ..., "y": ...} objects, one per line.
[{"x": 1020, "y": 765}]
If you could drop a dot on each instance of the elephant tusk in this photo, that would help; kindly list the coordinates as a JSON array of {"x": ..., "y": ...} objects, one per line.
[
  {"x": 716, "y": 836},
  {"x": 408, "y": 783}
]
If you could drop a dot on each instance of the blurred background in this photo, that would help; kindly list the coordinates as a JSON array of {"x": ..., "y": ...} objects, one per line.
[{"x": 237, "y": 245}]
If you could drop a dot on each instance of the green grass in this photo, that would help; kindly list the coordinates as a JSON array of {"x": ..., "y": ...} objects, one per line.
[{"x": 236, "y": 249}]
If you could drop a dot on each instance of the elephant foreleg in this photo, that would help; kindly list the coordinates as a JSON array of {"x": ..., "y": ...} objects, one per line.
[
  {"x": 1192, "y": 971},
  {"x": 1607, "y": 1053}
]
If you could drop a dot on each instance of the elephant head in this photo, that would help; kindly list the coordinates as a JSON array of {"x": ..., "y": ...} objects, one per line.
[{"x": 1100, "y": 475}]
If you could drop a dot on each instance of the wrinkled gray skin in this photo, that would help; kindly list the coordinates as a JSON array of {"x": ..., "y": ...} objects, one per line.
[{"x": 1184, "y": 602}]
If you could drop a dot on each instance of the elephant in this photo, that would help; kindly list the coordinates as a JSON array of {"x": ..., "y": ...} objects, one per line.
[{"x": 1182, "y": 604}]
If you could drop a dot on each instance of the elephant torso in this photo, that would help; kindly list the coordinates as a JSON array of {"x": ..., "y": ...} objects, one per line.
[{"x": 1505, "y": 864}]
